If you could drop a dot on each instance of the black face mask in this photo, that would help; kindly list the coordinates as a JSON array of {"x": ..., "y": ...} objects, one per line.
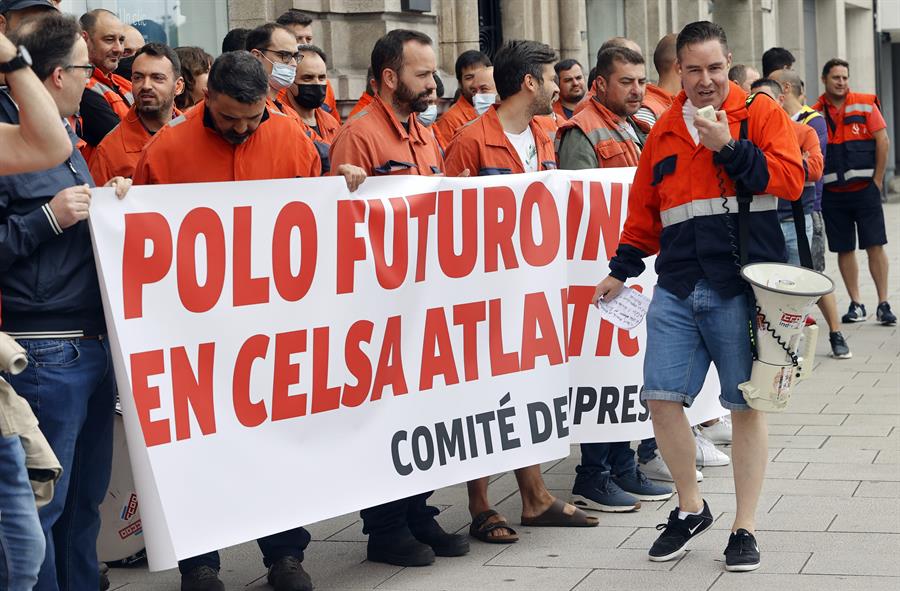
[
  {"x": 310, "y": 96},
  {"x": 124, "y": 67}
]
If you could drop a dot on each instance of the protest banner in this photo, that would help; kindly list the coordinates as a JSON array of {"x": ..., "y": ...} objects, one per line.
[{"x": 287, "y": 352}]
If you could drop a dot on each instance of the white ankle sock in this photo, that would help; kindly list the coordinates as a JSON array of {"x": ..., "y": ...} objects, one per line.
[{"x": 684, "y": 514}]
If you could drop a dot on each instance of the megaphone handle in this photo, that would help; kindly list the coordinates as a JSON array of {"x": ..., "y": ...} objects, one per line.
[{"x": 810, "y": 336}]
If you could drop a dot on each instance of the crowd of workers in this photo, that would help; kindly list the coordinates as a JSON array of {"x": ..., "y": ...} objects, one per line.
[{"x": 145, "y": 113}]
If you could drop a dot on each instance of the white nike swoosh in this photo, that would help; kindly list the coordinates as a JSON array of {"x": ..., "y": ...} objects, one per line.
[{"x": 695, "y": 528}]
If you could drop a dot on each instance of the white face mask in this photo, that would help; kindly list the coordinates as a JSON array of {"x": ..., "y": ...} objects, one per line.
[
  {"x": 428, "y": 116},
  {"x": 482, "y": 102},
  {"x": 282, "y": 75}
]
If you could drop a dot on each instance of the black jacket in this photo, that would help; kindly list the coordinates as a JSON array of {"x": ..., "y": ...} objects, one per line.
[{"x": 48, "y": 281}]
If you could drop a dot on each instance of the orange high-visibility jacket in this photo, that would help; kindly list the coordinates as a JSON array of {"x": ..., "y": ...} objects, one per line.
[
  {"x": 657, "y": 100},
  {"x": 190, "y": 150},
  {"x": 375, "y": 141},
  {"x": 613, "y": 145},
  {"x": 483, "y": 148},
  {"x": 680, "y": 195},
  {"x": 361, "y": 104},
  {"x": 119, "y": 152},
  {"x": 460, "y": 113}
]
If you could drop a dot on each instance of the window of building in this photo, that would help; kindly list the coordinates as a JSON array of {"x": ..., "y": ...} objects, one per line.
[{"x": 177, "y": 22}]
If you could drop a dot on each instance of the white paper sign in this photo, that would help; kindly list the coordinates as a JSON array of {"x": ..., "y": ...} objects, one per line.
[{"x": 626, "y": 310}]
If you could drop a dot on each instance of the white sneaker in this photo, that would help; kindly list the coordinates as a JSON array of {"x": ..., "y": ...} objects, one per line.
[
  {"x": 707, "y": 454},
  {"x": 656, "y": 469},
  {"x": 719, "y": 433}
]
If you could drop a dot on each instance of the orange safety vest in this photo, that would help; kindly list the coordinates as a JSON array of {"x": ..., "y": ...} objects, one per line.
[
  {"x": 459, "y": 113},
  {"x": 613, "y": 145},
  {"x": 657, "y": 100},
  {"x": 850, "y": 158},
  {"x": 114, "y": 89}
]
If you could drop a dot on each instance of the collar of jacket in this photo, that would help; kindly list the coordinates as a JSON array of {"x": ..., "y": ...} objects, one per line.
[
  {"x": 114, "y": 81},
  {"x": 416, "y": 131},
  {"x": 208, "y": 121},
  {"x": 735, "y": 107},
  {"x": 612, "y": 120}
]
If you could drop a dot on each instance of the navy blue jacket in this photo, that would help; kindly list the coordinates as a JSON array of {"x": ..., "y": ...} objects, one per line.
[{"x": 48, "y": 281}]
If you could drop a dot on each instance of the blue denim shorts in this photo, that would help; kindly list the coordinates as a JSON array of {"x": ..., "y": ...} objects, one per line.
[{"x": 684, "y": 336}]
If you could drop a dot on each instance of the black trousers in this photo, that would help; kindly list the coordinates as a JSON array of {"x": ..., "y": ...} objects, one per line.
[
  {"x": 395, "y": 517},
  {"x": 287, "y": 543}
]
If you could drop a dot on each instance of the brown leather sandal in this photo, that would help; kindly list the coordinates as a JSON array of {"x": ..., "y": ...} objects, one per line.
[
  {"x": 561, "y": 514},
  {"x": 481, "y": 529}
]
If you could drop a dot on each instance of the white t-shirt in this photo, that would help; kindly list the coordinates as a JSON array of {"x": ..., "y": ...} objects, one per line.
[
  {"x": 526, "y": 148},
  {"x": 689, "y": 111}
]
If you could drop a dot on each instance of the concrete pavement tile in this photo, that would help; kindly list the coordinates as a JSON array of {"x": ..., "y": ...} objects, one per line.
[
  {"x": 773, "y": 470},
  {"x": 791, "y": 418},
  {"x": 851, "y": 472},
  {"x": 444, "y": 575},
  {"x": 888, "y": 457},
  {"x": 785, "y": 486},
  {"x": 739, "y": 582},
  {"x": 343, "y": 565},
  {"x": 687, "y": 580},
  {"x": 325, "y": 529},
  {"x": 863, "y": 419},
  {"x": 772, "y": 562},
  {"x": 776, "y": 429},
  {"x": 843, "y": 563},
  {"x": 862, "y": 407},
  {"x": 572, "y": 556},
  {"x": 844, "y": 430},
  {"x": 796, "y": 441},
  {"x": 834, "y": 455},
  {"x": 869, "y": 489}
]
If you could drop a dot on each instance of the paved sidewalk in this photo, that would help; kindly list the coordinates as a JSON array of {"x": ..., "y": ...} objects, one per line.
[{"x": 829, "y": 517}]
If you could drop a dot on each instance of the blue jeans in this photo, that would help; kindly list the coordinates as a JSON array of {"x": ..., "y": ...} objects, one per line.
[
  {"x": 614, "y": 459},
  {"x": 790, "y": 238},
  {"x": 647, "y": 450},
  {"x": 70, "y": 386},
  {"x": 684, "y": 336},
  {"x": 21, "y": 538}
]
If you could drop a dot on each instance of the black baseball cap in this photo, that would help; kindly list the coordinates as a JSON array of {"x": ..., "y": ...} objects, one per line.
[{"x": 7, "y": 5}]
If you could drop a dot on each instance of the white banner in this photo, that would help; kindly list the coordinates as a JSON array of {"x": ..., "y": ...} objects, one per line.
[{"x": 287, "y": 352}]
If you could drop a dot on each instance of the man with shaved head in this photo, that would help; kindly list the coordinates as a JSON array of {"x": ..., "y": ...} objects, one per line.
[
  {"x": 134, "y": 40},
  {"x": 107, "y": 96}
]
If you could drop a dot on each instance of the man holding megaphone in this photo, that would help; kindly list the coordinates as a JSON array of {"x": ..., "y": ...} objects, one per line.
[{"x": 709, "y": 146}]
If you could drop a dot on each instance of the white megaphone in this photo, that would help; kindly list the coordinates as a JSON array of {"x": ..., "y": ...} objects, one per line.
[{"x": 785, "y": 295}]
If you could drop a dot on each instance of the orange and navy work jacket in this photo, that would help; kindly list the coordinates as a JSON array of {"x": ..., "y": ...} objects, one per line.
[
  {"x": 483, "y": 148},
  {"x": 378, "y": 143},
  {"x": 322, "y": 136},
  {"x": 190, "y": 150},
  {"x": 460, "y": 113},
  {"x": 120, "y": 150},
  {"x": 114, "y": 89},
  {"x": 613, "y": 145},
  {"x": 850, "y": 158},
  {"x": 678, "y": 200}
]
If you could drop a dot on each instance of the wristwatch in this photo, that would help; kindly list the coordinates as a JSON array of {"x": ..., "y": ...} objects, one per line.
[
  {"x": 728, "y": 149},
  {"x": 22, "y": 60}
]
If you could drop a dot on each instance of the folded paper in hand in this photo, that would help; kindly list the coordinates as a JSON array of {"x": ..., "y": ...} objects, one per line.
[{"x": 626, "y": 310}]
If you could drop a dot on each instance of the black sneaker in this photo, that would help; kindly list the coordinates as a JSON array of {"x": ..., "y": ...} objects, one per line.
[
  {"x": 444, "y": 544},
  {"x": 400, "y": 549},
  {"x": 855, "y": 313},
  {"x": 884, "y": 315},
  {"x": 742, "y": 553},
  {"x": 839, "y": 348},
  {"x": 287, "y": 574},
  {"x": 202, "y": 578},
  {"x": 678, "y": 533}
]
